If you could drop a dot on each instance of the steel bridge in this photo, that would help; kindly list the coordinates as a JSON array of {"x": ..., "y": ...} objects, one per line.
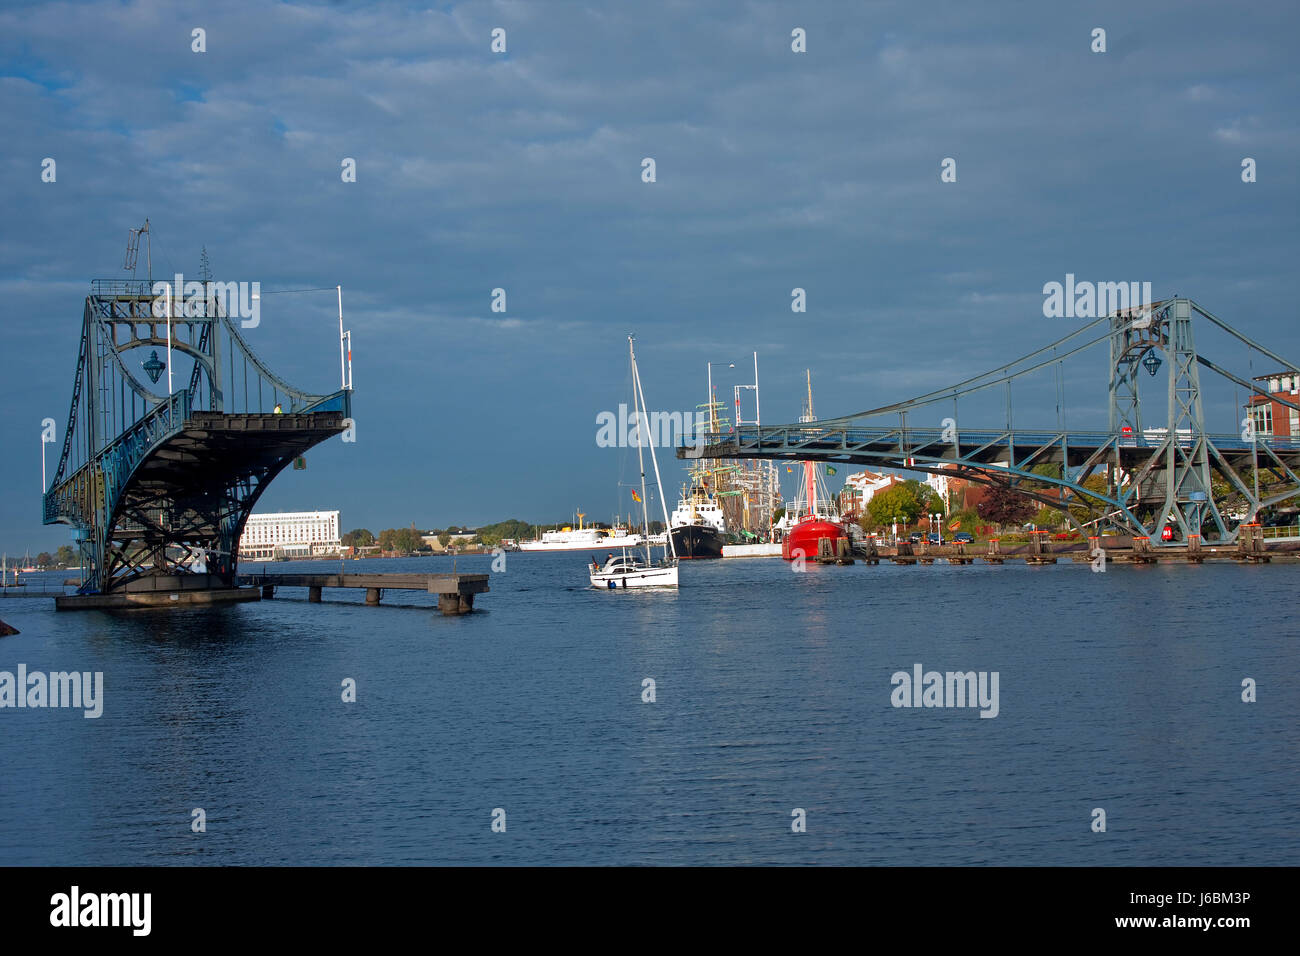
[
  {"x": 151, "y": 482},
  {"x": 1177, "y": 474}
]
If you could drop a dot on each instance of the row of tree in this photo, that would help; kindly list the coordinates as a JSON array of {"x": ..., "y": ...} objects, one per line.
[{"x": 65, "y": 557}]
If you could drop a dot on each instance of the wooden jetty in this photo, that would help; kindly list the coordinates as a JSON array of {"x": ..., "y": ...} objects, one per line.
[
  {"x": 455, "y": 591},
  {"x": 1041, "y": 550}
]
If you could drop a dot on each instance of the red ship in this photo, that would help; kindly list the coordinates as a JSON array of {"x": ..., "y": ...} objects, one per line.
[{"x": 816, "y": 528}]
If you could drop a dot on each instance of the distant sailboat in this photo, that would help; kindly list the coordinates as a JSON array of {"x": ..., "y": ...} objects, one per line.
[{"x": 629, "y": 571}]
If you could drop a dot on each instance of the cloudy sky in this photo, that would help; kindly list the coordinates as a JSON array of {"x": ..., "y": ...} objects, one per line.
[{"x": 523, "y": 171}]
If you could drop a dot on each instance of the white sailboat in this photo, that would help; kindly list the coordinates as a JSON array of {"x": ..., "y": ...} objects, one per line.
[{"x": 629, "y": 570}]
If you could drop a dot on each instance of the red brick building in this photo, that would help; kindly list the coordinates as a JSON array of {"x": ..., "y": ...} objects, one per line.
[{"x": 1273, "y": 419}]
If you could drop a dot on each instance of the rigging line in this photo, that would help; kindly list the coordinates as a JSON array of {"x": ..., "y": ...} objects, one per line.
[
  {"x": 960, "y": 389},
  {"x": 955, "y": 389},
  {"x": 1249, "y": 342}
]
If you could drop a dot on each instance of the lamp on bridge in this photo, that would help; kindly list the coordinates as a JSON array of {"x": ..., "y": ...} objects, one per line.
[{"x": 154, "y": 368}]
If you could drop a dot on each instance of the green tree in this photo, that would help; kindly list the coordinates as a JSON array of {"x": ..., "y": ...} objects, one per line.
[
  {"x": 44, "y": 559},
  {"x": 1085, "y": 508},
  {"x": 896, "y": 501},
  {"x": 358, "y": 538},
  {"x": 403, "y": 540},
  {"x": 1049, "y": 517},
  {"x": 66, "y": 555},
  {"x": 444, "y": 538}
]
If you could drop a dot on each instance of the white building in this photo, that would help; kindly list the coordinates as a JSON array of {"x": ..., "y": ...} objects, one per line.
[
  {"x": 290, "y": 534},
  {"x": 941, "y": 484},
  {"x": 860, "y": 488}
]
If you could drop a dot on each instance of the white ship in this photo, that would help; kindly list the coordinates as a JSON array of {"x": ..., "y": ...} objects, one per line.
[{"x": 583, "y": 539}]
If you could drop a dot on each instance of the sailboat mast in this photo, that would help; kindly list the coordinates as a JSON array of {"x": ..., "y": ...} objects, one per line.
[
  {"x": 640, "y": 455},
  {"x": 654, "y": 459}
]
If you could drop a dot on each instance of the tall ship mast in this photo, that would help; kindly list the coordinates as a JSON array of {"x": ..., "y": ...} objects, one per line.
[
  {"x": 698, "y": 526},
  {"x": 815, "y": 527},
  {"x": 755, "y": 484}
]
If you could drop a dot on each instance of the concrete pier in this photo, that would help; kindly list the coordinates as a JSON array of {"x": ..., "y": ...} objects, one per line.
[{"x": 455, "y": 591}]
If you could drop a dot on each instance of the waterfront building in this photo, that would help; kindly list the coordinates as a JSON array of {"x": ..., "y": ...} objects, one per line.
[
  {"x": 861, "y": 487},
  {"x": 1273, "y": 419},
  {"x": 290, "y": 534}
]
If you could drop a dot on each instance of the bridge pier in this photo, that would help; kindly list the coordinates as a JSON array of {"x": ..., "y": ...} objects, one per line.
[
  {"x": 903, "y": 553},
  {"x": 1251, "y": 544},
  {"x": 1142, "y": 551},
  {"x": 1194, "y": 553},
  {"x": 1040, "y": 551},
  {"x": 373, "y": 595},
  {"x": 994, "y": 555},
  {"x": 313, "y": 594},
  {"x": 268, "y": 591}
]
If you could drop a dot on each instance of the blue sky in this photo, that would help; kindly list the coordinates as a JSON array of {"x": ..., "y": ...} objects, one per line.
[{"x": 775, "y": 170}]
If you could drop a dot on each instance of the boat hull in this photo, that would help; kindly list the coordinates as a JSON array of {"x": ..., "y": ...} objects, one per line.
[
  {"x": 804, "y": 540},
  {"x": 695, "y": 541},
  {"x": 630, "y": 541},
  {"x": 639, "y": 578}
]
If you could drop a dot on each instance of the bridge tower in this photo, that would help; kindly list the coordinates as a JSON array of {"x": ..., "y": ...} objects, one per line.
[
  {"x": 152, "y": 483},
  {"x": 1178, "y": 473}
]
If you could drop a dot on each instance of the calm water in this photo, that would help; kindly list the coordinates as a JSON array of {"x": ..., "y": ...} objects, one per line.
[{"x": 1119, "y": 690}]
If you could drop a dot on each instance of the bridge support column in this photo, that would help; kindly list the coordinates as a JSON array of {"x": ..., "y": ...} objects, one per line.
[
  {"x": 1040, "y": 551},
  {"x": 994, "y": 555},
  {"x": 1195, "y": 554},
  {"x": 1251, "y": 544},
  {"x": 313, "y": 595},
  {"x": 1142, "y": 550},
  {"x": 268, "y": 591},
  {"x": 373, "y": 595}
]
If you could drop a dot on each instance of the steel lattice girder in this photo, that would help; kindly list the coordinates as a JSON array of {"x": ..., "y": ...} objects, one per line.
[{"x": 996, "y": 456}]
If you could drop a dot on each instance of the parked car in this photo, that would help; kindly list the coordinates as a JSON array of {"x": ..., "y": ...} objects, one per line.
[
  {"x": 915, "y": 537},
  {"x": 964, "y": 536},
  {"x": 935, "y": 538}
]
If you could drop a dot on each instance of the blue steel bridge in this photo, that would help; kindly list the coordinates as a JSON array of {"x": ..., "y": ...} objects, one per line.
[
  {"x": 1175, "y": 473},
  {"x": 148, "y": 479}
]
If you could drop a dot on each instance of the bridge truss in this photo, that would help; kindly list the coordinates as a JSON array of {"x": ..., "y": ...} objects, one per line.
[
  {"x": 1177, "y": 475},
  {"x": 152, "y": 481}
]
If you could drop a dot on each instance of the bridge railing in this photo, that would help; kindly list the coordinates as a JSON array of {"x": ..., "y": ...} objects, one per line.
[
  {"x": 88, "y": 488},
  {"x": 1288, "y": 531},
  {"x": 770, "y": 435}
]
